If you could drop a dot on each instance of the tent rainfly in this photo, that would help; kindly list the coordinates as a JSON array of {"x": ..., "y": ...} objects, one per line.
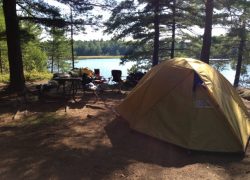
[{"x": 188, "y": 103}]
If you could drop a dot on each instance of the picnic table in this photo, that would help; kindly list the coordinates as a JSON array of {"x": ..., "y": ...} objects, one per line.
[{"x": 74, "y": 84}]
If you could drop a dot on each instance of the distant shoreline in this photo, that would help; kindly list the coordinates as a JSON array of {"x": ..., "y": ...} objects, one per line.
[{"x": 97, "y": 57}]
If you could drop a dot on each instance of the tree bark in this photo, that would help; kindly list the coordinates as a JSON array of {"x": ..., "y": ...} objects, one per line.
[
  {"x": 17, "y": 81},
  {"x": 58, "y": 66},
  {"x": 206, "y": 45},
  {"x": 52, "y": 63},
  {"x": 240, "y": 55},
  {"x": 155, "y": 59},
  {"x": 1, "y": 64},
  {"x": 72, "y": 39},
  {"x": 53, "y": 49},
  {"x": 173, "y": 31}
]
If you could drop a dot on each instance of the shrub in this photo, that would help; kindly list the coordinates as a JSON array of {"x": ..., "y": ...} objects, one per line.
[
  {"x": 35, "y": 75},
  {"x": 29, "y": 76},
  {"x": 4, "y": 78}
]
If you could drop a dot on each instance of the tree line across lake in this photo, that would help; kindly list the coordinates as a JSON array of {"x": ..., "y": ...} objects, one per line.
[{"x": 100, "y": 48}]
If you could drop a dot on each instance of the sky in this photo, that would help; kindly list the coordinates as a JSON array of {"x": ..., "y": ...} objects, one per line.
[{"x": 91, "y": 34}]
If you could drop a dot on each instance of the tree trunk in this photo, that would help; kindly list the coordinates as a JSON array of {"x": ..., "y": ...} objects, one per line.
[
  {"x": 17, "y": 81},
  {"x": 155, "y": 59},
  {"x": 52, "y": 64},
  {"x": 58, "y": 66},
  {"x": 72, "y": 39},
  {"x": 1, "y": 64},
  {"x": 173, "y": 31},
  {"x": 240, "y": 55},
  {"x": 206, "y": 45},
  {"x": 53, "y": 49}
]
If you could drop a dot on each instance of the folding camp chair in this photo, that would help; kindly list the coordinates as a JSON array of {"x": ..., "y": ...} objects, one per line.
[
  {"x": 97, "y": 73},
  {"x": 88, "y": 85},
  {"x": 116, "y": 78}
]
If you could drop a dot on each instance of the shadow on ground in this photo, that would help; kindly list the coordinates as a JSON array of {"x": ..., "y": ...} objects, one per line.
[
  {"x": 100, "y": 146},
  {"x": 91, "y": 149},
  {"x": 147, "y": 149}
]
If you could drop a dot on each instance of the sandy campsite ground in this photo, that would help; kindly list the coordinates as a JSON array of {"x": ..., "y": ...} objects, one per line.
[{"x": 40, "y": 140}]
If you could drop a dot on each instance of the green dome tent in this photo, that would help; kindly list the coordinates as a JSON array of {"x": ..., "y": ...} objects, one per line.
[{"x": 188, "y": 103}]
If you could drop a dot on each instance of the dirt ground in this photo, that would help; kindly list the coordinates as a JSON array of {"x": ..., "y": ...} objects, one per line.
[{"x": 63, "y": 139}]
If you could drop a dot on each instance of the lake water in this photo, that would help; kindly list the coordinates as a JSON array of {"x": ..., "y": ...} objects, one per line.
[
  {"x": 228, "y": 73},
  {"x": 106, "y": 65}
]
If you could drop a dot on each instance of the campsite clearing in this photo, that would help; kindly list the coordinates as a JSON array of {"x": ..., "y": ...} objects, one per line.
[{"x": 91, "y": 142}]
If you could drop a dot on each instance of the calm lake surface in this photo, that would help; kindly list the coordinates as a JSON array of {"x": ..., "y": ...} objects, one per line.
[{"x": 106, "y": 65}]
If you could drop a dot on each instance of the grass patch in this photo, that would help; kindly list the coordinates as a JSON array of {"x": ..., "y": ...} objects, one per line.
[
  {"x": 34, "y": 76},
  {"x": 29, "y": 76},
  {"x": 98, "y": 57}
]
